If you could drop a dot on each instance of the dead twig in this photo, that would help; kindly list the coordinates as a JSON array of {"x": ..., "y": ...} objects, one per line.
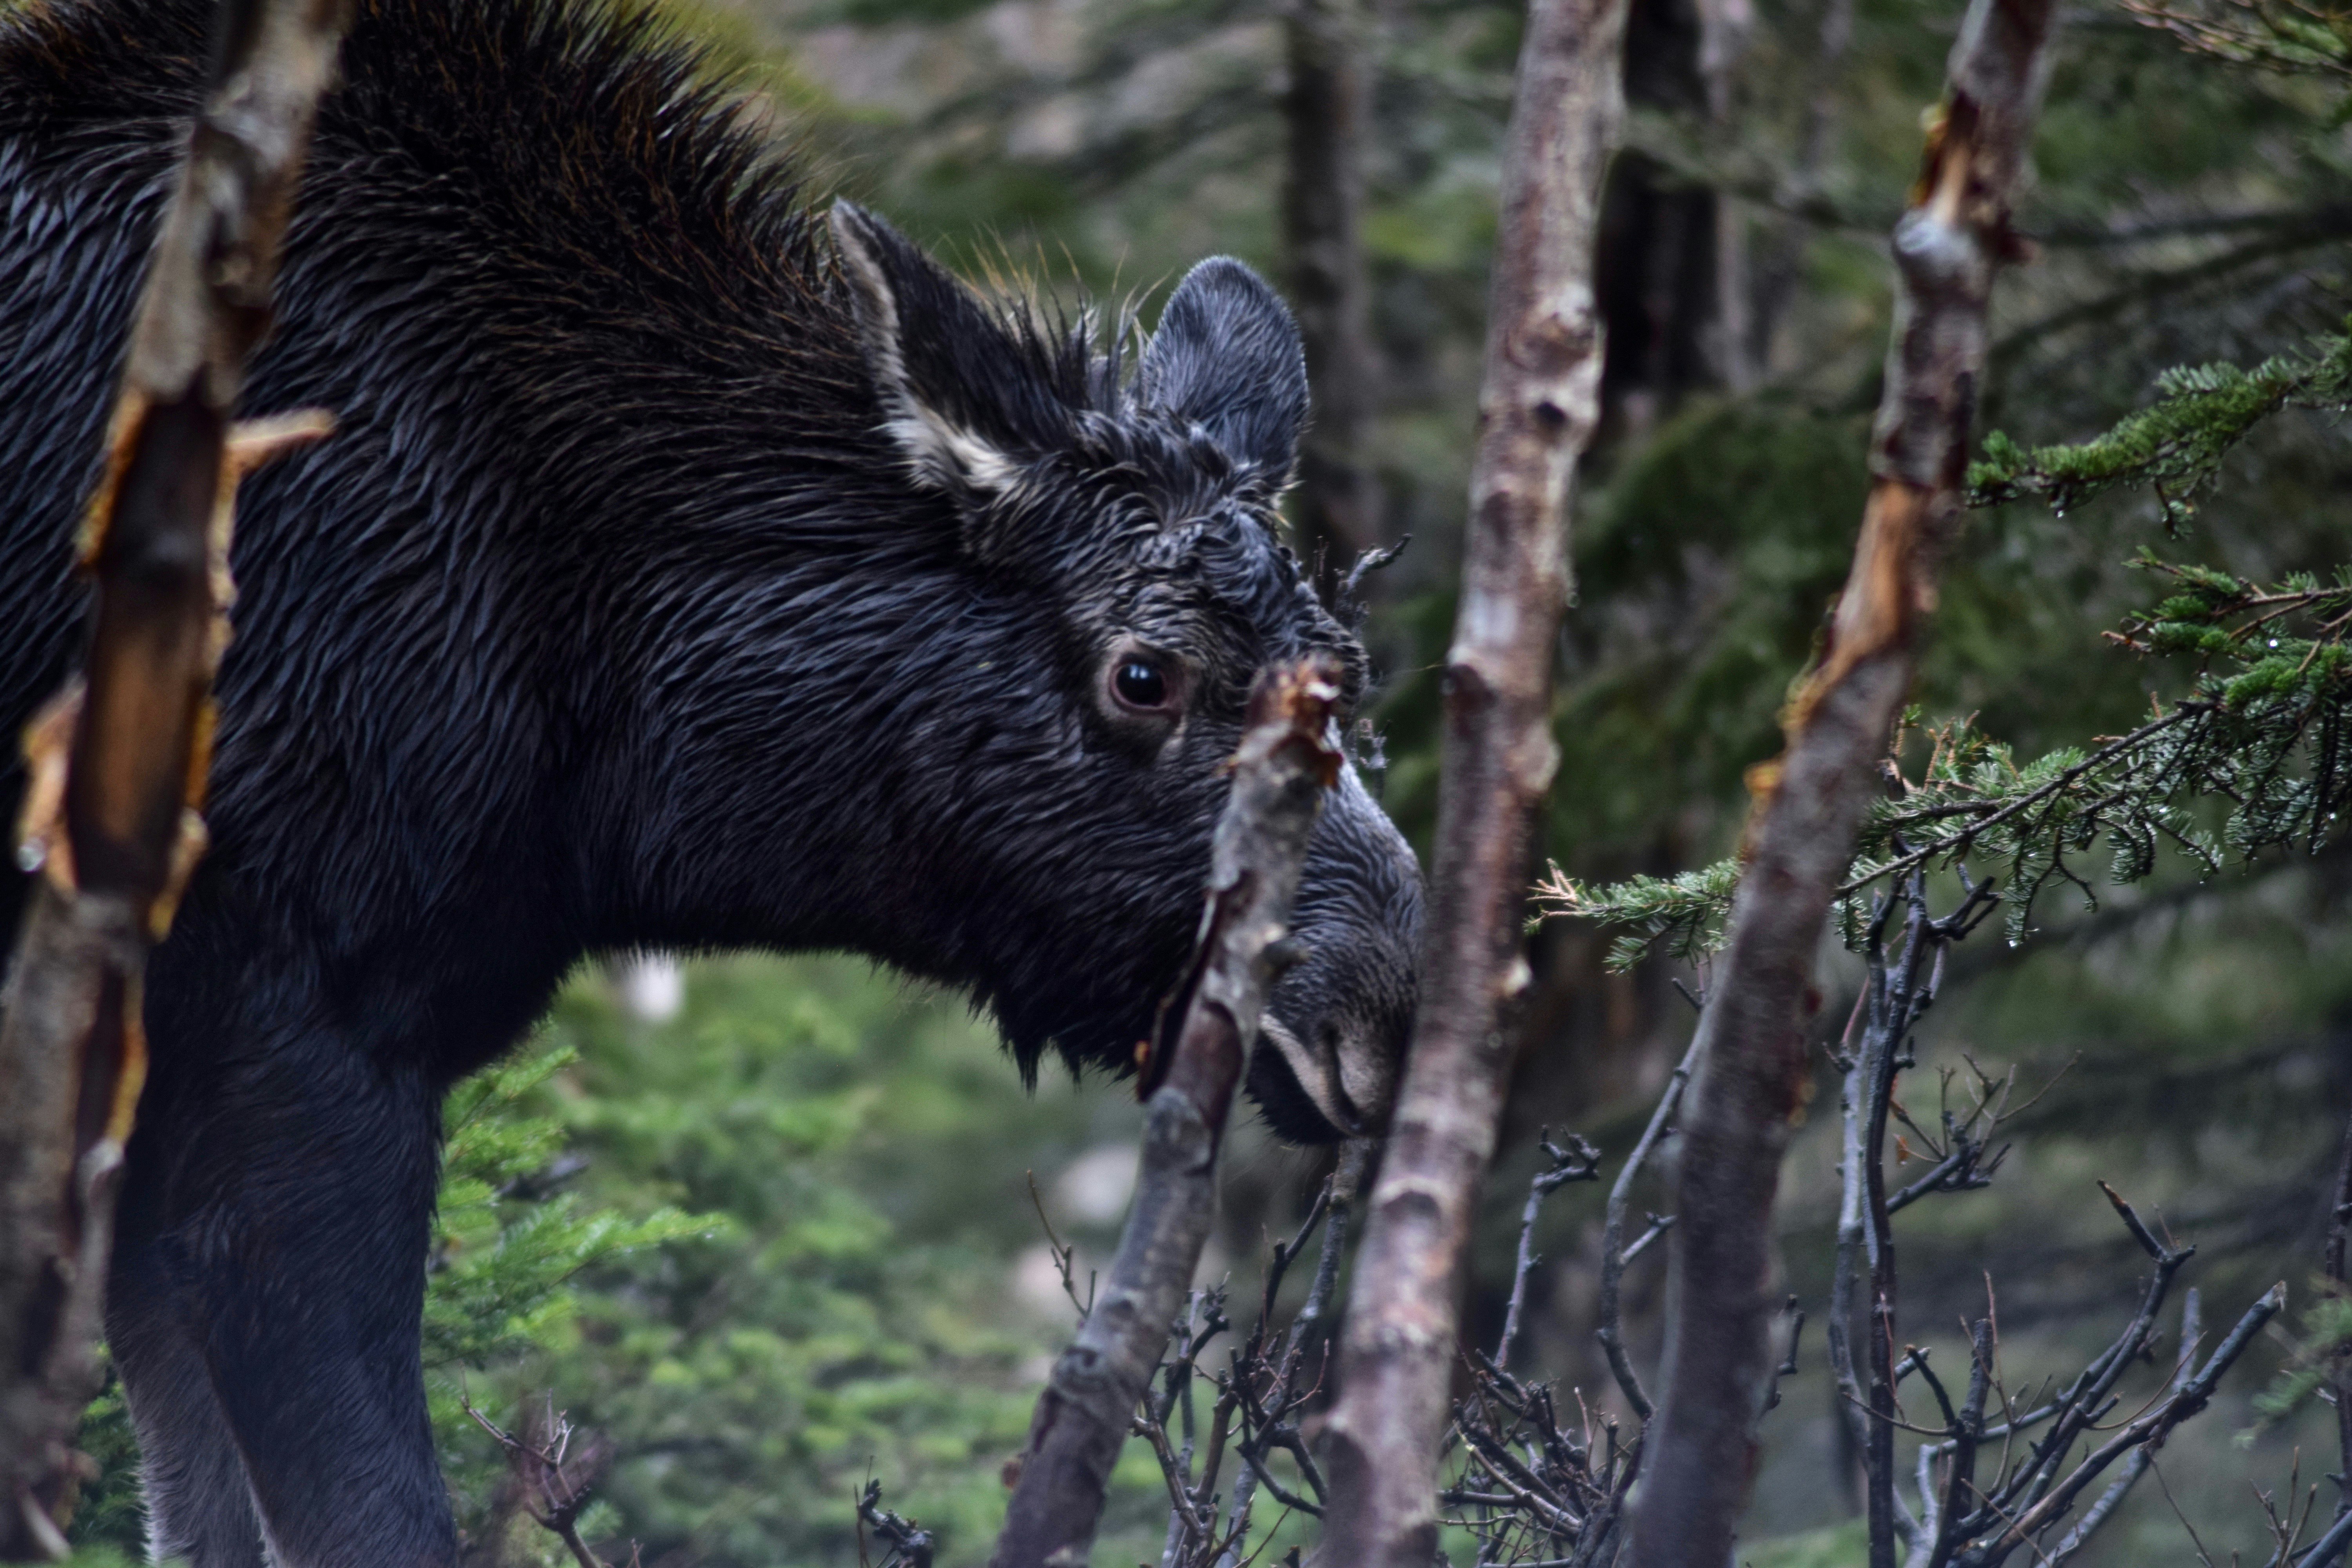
[
  {"x": 1615, "y": 1255},
  {"x": 1580, "y": 1162},
  {"x": 909, "y": 1547},
  {"x": 554, "y": 1484}
]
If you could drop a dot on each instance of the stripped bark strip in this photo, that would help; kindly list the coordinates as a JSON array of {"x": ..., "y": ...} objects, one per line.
[
  {"x": 1809, "y": 802},
  {"x": 1190, "y": 1072},
  {"x": 1537, "y": 412},
  {"x": 118, "y": 760}
]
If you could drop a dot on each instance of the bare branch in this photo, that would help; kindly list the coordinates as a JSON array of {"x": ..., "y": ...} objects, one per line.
[
  {"x": 2148, "y": 1431},
  {"x": 1340, "y": 1194},
  {"x": 1615, "y": 1255},
  {"x": 1811, "y": 804},
  {"x": 1189, "y": 1073},
  {"x": 123, "y": 751},
  {"x": 2136, "y": 1465},
  {"x": 1580, "y": 1162},
  {"x": 1788, "y": 1364},
  {"x": 1538, "y": 410},
  {"x": 909, "y": 1547},
  {"x": 553, "y": 1484}
]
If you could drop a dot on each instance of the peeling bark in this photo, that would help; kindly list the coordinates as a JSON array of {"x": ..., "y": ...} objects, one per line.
[
  {"x": 1809, "y": 802},
  {"x": 118, "y": 760},
  {"x": 1188, "y": 1074},
  {"x": 1536, "y": 412}
]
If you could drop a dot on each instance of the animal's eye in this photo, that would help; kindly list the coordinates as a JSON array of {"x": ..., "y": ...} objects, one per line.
[{"x": 1140, "y": 685}]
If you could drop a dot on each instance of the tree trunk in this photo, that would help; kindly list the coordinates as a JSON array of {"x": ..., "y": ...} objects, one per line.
[
  {"x": 118, "y": 760},
  {"x": 1811, "y": 802},
  {"x": 1327, "y": 112},
  {"x": 1536, "y": 412},
  {"x": 1672, "y": 267},
  {"x": 2334, "y": 1267}
]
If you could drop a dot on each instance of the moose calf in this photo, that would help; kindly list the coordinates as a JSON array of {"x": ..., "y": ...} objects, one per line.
[{"x": 686, "y": 571}]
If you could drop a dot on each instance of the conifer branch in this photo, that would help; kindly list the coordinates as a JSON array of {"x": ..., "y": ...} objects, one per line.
[
  {"x": 2295, "y": 37},
  {"x": 2263, "y": 734},
  {"x": 2176, "y": 444}
]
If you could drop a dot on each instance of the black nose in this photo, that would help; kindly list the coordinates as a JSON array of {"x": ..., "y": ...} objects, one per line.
[{"x": 1332, "y": 1044}]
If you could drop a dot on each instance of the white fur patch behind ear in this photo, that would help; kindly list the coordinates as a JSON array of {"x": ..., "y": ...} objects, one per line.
[
  {"x": 941, "y": 453},
  {"x": 944, "y": 456}
]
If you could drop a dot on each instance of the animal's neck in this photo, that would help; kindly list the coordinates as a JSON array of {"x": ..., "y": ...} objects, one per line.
[{"x": 791, "y": 748}]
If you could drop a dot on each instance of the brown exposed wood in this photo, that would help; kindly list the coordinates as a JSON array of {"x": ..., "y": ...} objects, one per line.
[
  {"x": 1537, "y": 412},
  {"x": 1811, "y": 802},
  {"x": 118, "y": 760},
  {"x": 1191, "y": 1071}
]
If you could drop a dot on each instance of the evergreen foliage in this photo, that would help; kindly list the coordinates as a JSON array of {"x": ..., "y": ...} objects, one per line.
[
  {"x": 2319, "y": 1357},
  {"x": 2259, "y": 736},
  {"x": 2177, "y": 445},
  {"x": 509, "y": 1244},
  {"x": 751, "y": 1379},
  {"x": 2296, "y": 37},
  {"x": 740, "y": 1246}
]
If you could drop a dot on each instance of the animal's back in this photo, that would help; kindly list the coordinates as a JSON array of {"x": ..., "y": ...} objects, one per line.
[{"x": 528, "y": 244}]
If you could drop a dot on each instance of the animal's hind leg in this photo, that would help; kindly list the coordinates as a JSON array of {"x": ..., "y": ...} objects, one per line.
[
  {"x": 306, "y": 1265},
  {"x": 199, "y": 1508}
]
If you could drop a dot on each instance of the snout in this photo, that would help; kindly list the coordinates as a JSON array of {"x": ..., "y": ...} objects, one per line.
[{"x": 1331, "y": 1045}]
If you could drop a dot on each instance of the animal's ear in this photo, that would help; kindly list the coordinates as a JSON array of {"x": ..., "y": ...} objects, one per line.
[
  {"x": 1227, "y": 358},
  {"x": 962, "y": 400}
]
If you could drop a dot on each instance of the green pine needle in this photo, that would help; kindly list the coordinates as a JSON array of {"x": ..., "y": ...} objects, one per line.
[{"x": 2177, "y": 445}]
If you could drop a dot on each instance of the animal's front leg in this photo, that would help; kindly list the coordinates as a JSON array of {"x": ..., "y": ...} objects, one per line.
[
  {"x": 199, "y": 1508},
  {"x": 313, "y": 1175}
]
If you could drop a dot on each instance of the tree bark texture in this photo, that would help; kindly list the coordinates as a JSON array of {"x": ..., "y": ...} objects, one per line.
[
  {"x": 1809, "y": 802},
  {"x": 118, "y": 760},
  {"x": 2334, "y": 1261},
  {"x": 1189, "y": 1073},
  {"x": 1537, "y": 408},
  {"x": 1328, "y": 111}
]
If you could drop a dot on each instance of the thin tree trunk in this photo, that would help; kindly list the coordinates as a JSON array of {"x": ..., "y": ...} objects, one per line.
[
  {"x": 1328, "y": 115},
  {"x": 1671, "y": 268},
  {"x": 1777, "y": 268},
  {"x": 1537, "y": 412},
  {"x": 118, "y": 760},
  {"x": 1189, "y": 1075},
  {"x": 1811, "y": 802},
  {"x": 2334, "y": 1264},
  {"x": 1725, "y": 27}
]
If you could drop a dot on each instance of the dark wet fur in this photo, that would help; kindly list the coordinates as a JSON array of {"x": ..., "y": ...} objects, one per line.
[{"x": 614, "y": 615}]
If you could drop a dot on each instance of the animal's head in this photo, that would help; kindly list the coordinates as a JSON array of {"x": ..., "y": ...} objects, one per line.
[{"x": 1125, "y": 580}]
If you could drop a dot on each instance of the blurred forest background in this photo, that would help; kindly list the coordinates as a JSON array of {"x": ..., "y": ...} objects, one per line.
[{"x": 783, "y": 1238}]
